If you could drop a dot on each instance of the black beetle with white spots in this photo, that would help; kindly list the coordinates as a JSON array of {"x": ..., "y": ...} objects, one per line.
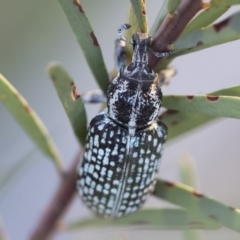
[{"x": 125, "y": 141}]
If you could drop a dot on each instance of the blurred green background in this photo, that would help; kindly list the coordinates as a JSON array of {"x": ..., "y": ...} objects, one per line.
[{"x": 33, "y": 33}]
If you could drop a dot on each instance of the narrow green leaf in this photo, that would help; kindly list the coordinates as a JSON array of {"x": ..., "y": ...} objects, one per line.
[
  {"x": 188, "y": 177},
  {"x": 199, "y": 204},
  {"x": 135, "y": 27},
  {"x": 181, "y": 122},
  {"x": 214, "y": 10},
  {"x": 219, "y": 33},
  {"x": 87, "y": 40},
  {"x": 160, "y": 17},
  {"x": 218, "y": 106},
  {"x": 173, "y": 5},
  {"x": 29, "y": 120},
  {"x": 132, "y": 20},
  {"x": 139, "y": 9},
  {"x": 10, "y": 175},
  {"x": 191, "y": 235},
  {"x": 188, "y": 171},
  {"x": 225, "y": 31},
  {"x": 71, "y": 100},
  {"x": 161, "y": 219}
]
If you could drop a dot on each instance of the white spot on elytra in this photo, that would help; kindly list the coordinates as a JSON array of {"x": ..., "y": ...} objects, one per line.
[
  {"x": 126, "y": 195},
  {"x": 88, "y": 180},
  {"x": 97, "y": 167},
  {"x": 99, "y": 188},
  {"x": 112, "y": 163},
  {"x": 95, "y": 174},
  {"x": 91, "y": 168},
  {"x": 103, "y": 171},
  {"x": 105, "y": 160},
  {"x": 159, "y": 147},
  {"x": 96, "y": 141},
  {"x": 110, "y": 173},
  {"x": 115, "y": 182},
  {"x": 135, "y": 154},
  {"x": 114, "y": 190},
  {"x": 100, "y": 151},
  {"x": 100, "y": 127}
]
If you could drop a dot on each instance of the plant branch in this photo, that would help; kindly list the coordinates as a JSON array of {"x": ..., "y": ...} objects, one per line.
[
  {"x": 59, "y": 203},
  {"x": 172, "y": 27}
]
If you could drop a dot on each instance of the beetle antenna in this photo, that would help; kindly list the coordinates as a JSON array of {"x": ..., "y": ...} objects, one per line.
[
  {"x": 124, "y": 26},
  {"x": 161, "y": 54}
]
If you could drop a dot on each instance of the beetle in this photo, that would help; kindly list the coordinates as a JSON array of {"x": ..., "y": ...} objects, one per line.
[{"x": 125, "y": 141}]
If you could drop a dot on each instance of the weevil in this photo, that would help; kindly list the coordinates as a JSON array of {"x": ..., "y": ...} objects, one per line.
[{"x": 125, "y": 141}]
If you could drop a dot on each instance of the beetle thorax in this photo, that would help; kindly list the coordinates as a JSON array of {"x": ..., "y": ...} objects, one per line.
[{"x": 134, "y": 97}]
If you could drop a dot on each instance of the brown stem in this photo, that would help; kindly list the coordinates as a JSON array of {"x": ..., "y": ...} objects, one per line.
[
  {"x": 172, "y": 27},
  {"x": 58, "y": 204}
]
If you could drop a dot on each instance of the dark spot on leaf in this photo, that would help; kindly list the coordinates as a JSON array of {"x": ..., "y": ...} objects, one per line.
[
  {"x": 212, "y": 98},
  {"x": 232, "y": 208},
  {"x": 77, "y": 3},
  {"x": 169, "y": 184},
  {"x": 95, "y": 41},
  {"x": 75, "y": 93},
  {"x": 221, "y": 25},
  {"x": 197, "y": 225},
  {"x": 144, "y": 11},
  {"x": 173, "y": 123},
  {"x": 199, "y": 43},
  {"x": 171, "y": 112},
  {"x": 190, "y": 97},
  {"x": 139, "y": 222},
  {"x": 27, "y": 108},
  {"x": 168, "y": 112},
  {"x": 53, "y": 78},
  {"x": 213, "y": 217},
  {"x": 197, "y": 194}
]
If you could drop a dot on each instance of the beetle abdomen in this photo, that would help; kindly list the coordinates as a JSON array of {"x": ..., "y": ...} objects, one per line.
[{"x": 118, "y": 170}]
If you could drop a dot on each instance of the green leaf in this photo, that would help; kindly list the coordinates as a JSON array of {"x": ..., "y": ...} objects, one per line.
[
  {"x": 219, "y": 33},
  {"x": 188, "y": 177},
  {"x": 135, "y": 27},
  {"x": 160, "y": 17},
  {"x": 87, "y": 40},
  {"x": 188, "y": 171},
  {"x": 71, "y": 100},
  {"x": 29, "y": 120},
  {"x": 139, "y": 9},
  {"x": 214, "y": 10},
  {"x": 225, "y": 31},
  {"x": 181, "y": 122},
  {"x": 199, "y": 204},
  {"x": 10, "y": 176},
  {"x": 218, "y": 106},
  {"x": 191, "y": 235},
  {"x": 161, "y": 219},
  {"x": 173, "y": 5}
]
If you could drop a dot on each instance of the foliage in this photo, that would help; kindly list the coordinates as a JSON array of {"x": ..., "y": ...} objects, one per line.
[{"x": 190, "y": 33}]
